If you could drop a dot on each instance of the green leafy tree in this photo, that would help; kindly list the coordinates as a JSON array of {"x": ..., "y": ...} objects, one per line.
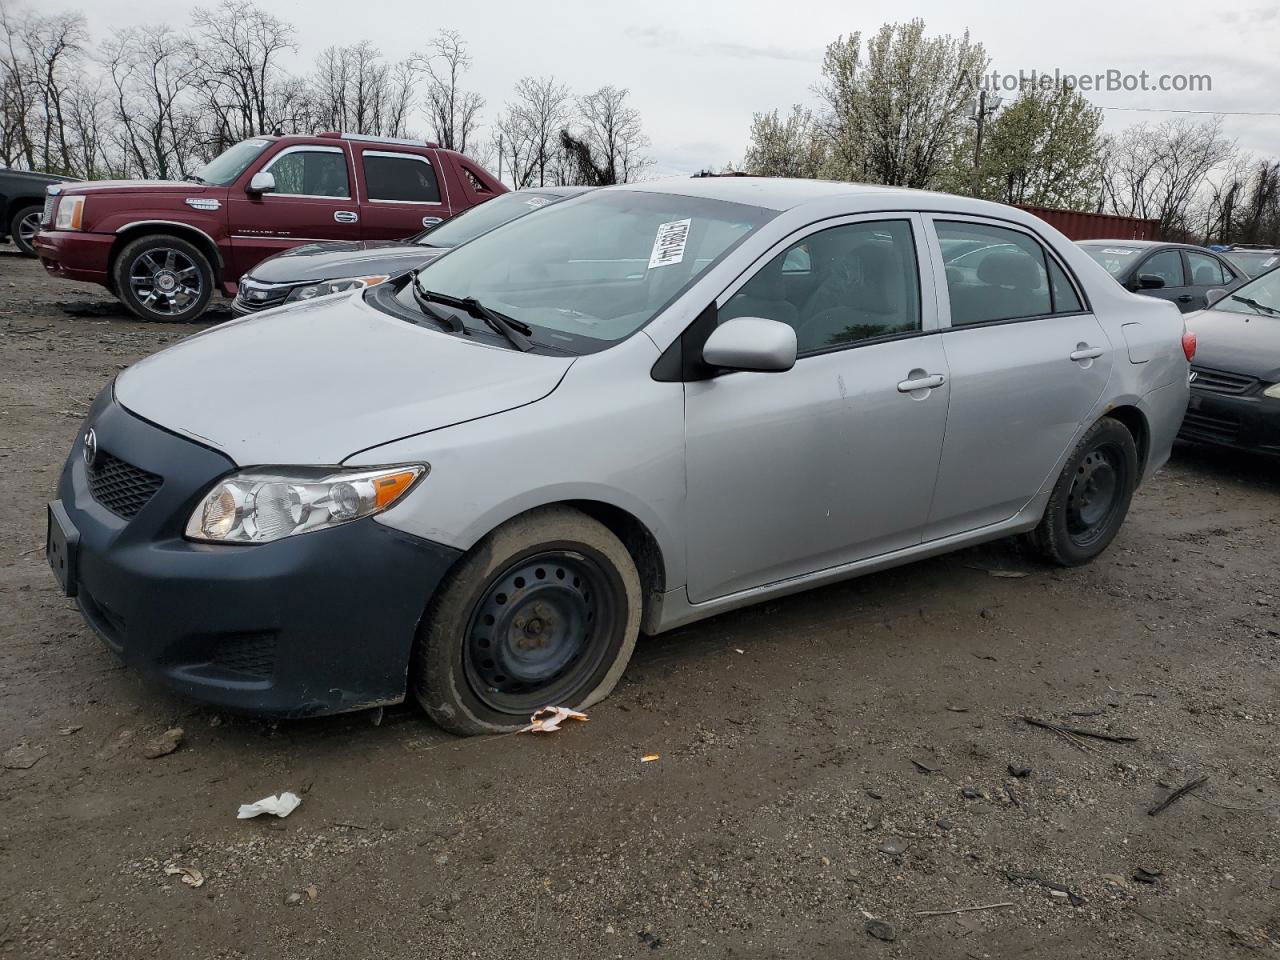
[
  {"x": 793, "y": 147},
  {"x": 896, "y": 115},
  {"x": 1045, "y": 149}
]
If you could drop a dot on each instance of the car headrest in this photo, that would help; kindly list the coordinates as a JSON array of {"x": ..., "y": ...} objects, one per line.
[{"x": 1006, "y": 268}]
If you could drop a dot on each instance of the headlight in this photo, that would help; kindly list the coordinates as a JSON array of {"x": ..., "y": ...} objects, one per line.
[
  {"x": 261, "y": 506},
  {"x": 326, "y": 287},
  {"x": 1272, "y": 391},
  {"x": 70, "y": 213}
]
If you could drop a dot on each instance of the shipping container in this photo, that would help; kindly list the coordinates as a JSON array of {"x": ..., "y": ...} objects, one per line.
[{"x": 1096, "y": 226}]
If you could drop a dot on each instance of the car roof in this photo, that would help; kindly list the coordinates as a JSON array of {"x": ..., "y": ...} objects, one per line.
[
  {"x": 558, "y": 191},
  {"x": 1146, "y": 244},
  {"x": 782, "y": 193}
]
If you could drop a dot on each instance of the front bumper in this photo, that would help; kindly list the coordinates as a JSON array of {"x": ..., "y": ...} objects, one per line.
[
  {"x": 319, "y": 623},
  {"x": 1250, "y": 422},
  {"x": 75, "y": 254}
]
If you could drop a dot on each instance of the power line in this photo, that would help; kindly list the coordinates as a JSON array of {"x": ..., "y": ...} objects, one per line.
[{"x": 1216, "y": 113}]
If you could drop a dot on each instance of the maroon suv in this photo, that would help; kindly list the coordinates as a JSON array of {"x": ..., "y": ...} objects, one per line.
[{"x": 163, "y": 246}]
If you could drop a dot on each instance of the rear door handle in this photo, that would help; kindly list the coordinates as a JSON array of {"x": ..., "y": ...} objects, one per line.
[
  {"x": 922, "y": 383},
  {"x": 345, "y": 216},
  {"x": 1086, "y": 353},
  {"x": 1185, "y": 298}
]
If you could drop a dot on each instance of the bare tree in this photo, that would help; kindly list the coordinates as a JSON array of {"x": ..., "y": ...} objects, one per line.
[
  {"x": 454, "y": 112},
  {"x": 153, "y": 78},
  {"x": 528, "y": 131},
  {"x": 355, "y": 89},
  {"x": 1156, "y": 172},
  {"x": 245, "y": 91},
  {"x": 612, "y": 131}
]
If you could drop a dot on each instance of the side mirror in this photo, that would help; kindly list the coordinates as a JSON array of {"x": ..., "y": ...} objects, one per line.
[
  {"x": 1149, "y": 281},
  {"x": 751, "y": 343},
  {"x": 1213, "y": 296},
  {"x": 262, "y": 183}
]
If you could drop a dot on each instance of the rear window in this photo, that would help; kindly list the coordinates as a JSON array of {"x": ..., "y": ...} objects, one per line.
[
  {"x": 400, "y": 177},
  {"x": 1115, "y": 259}
]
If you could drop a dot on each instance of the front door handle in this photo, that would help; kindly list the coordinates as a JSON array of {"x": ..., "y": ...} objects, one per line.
[
  {"x": 346, "y": 216},
  {"x": 1185, "y": 298},
  {"x": 928, "y": 382},
  {"x": 1086, "y": 352}
]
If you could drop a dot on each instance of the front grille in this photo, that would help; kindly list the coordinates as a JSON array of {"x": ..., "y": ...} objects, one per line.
[
  {"x": 121, "y": 487},
  {"x": 250, "y": 655},
  {"x": 46, "y": 216},
  {"x": 256, "y": 297},
  {"x": 1202, "y": 426},
  {"x": 1219, "y": 381}
]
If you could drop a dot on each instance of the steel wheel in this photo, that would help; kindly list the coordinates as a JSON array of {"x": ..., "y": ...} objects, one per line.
[
  {"x": 1093, "y": 496},
  {"x": 166, "y": 281},
  {"x": 539, "y": 629}
]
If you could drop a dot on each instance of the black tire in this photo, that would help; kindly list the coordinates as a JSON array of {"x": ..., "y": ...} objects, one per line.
[
  {"x": 162, "y": 278},
  {"x": 548, "y": 560},
  {"x": 20, "y": 231},
  {"x": 1091, "y": 498}
]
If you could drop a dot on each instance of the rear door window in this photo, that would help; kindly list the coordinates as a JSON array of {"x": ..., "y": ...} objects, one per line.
[
  {"x": 400, "y": 178},
  {"x": 1206, "y": 271}
]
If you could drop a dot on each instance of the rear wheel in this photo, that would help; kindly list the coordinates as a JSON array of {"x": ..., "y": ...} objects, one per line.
[
  {"x": 163, "y": 278},
  {"x": 23, "y": 228},
  {"x": 1091, "y": 498},
  {"x": 543, "y": 612}
]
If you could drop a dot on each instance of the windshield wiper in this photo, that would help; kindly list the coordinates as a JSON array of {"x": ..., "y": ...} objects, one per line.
[
  {"x": 449, "y": 322},
  {"x": 514, "y": 330},
  {"x": 1259, "y": 307}
]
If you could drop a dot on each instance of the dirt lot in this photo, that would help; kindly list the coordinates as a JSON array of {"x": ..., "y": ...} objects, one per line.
[{"x": 815, "y": 754}]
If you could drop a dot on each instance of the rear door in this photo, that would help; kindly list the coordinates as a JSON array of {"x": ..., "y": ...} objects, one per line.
[
  {"x": 1027, "y": 361},
  {"x": 403, "y": 193},
  {"x": 834, "y": 460},
  {"x": 313, "y": 200},
  {"x": 1207, "y": 273}
]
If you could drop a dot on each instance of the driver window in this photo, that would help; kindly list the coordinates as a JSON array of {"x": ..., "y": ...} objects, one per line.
[
  {"x": 311, "y": 173},
  {"x": 838, "y": 287},
  {"x": 1167, "y": 265}
]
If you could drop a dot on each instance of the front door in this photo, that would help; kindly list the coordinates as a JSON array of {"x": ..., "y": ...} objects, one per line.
[
  {"x": 1168, "y": 266},
  {"x": 313, "y": 200},
  {"x": 402, "y": 194},
  {"x": 1028, "y": 363},
  {"x": 834, "y": 460}
]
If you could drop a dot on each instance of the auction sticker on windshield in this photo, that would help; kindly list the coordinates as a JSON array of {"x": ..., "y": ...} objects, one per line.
[{"x": 668, "y": 245}]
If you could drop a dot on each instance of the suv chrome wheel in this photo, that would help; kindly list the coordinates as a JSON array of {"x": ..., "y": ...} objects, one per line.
[
  {"x": 166, "y": 281},
  {"x": 28, "y": 227}
]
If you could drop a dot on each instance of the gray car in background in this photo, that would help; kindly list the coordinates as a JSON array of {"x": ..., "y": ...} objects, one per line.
[
  {"x": 644, "y": 406},
  {"x": 340, "y": 266}
]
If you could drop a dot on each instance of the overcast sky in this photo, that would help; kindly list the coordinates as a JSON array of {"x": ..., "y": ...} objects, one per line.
[{"x": 698, "y": 70}]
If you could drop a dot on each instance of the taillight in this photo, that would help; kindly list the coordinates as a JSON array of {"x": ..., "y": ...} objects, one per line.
[{"x": 1189, "y": 344}]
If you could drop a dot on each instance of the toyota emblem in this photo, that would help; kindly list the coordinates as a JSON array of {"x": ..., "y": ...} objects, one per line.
[{"x": 90, "y": 448}]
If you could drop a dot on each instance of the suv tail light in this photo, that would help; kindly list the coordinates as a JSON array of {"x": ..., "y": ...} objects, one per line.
[{"x": 1189, "y": 344}]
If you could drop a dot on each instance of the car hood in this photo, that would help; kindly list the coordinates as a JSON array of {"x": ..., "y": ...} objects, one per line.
[
  {"x": 331, "y": 261},
  {"x": 317, "y": 382},
  {"x": 185, "y": 187},
  {"x": 1237, "y": 343}
]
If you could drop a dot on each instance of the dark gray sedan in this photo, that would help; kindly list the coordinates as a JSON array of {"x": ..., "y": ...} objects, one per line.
[
  {"x": 319, "y": 269},
  {"x": 1179, "y": 272}
]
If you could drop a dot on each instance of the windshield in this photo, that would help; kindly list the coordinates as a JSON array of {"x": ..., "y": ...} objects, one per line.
[
  {"x": 1264, "y": 292},
  {"x": 586, "y": 273},
  {"x": 1254, "y": 263},
  {"x": 483, "y": 218},
  {"x": 231, "y": 162},
  {"x": 1116, "y": 259}
]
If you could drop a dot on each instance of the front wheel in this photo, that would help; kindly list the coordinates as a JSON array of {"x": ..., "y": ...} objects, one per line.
[
  {"x": 544, "y": 611},
  {"x": 1091, "y": 498},
  {"x": 23, "y": 228},
  {"x": 163, "y": 279}
]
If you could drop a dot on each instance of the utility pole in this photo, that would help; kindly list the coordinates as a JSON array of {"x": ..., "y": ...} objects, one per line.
[
  {"x": 982, "y": 106},
  {"x": 500, "y": 158}
]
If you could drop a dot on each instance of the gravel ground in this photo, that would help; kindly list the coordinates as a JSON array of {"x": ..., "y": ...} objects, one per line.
[{"x": 833, "y": 758}]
